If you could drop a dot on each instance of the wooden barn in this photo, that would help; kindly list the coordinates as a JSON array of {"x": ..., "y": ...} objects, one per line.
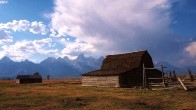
[
  {"x": 23, "y": 79},
  {"x": 122, "y": 70}
]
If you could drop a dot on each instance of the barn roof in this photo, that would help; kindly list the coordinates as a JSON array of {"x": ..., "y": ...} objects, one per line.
[
  {"x": 123, "y": 61},
  {"x": 120, "y": 63}
]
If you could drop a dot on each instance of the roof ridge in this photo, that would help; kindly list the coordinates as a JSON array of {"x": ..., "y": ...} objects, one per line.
[{"x": 129, "y": 52}]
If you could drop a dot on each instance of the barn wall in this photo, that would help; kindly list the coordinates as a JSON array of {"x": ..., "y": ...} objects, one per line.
[
  {"x": 101, "y": 81},
  {"x": 131, "y": 78},
  {"x": 28, "y": 80},
  {"x": 17, "y": 81},
  {"x": 37, "y": 80}
]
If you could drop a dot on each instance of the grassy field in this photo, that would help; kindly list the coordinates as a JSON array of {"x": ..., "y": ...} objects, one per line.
[{"x": 61, "y": 95}]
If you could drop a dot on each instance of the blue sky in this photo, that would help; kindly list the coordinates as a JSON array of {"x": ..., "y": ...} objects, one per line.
[{"x": 37, "y": 29}]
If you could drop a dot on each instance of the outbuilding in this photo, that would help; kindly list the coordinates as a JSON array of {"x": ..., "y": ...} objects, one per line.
[
  {"x": 122, "y": 70},
  {"x": 23, "y": 79}
]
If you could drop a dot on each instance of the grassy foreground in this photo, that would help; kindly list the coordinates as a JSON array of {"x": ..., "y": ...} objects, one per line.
[{"x": 59, "y": 95}]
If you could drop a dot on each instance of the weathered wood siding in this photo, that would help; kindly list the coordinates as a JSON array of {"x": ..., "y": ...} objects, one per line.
[
  {"x": 101, "y": 81},
  {"x": 17, "y": 81},
  {"x": 131, "y": 78},
  {"x": 29, "y": 80}
]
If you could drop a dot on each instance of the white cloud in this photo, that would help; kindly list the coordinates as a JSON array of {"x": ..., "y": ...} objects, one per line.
[
  {"x": 191, "y": 49},
  {"x": 4, "y": 37},
  {"x": 24, "y": 49},
  {"x": 72, "y": 50},
  {"x": 38, "y": 28},
  {"x": 110, "y": 25},
  {"x": 3, "y": 2},
  {"x": 43, "y": 41},
  {"x": 24, "y": 25},
  {"x": 53, "y": 33}
]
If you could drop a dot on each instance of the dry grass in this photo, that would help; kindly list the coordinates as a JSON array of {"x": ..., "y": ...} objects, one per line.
[{"x": 63, "y": 94}]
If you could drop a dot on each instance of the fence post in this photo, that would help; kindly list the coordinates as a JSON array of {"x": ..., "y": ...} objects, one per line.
[
  {"x": 144, "y": 77},
  {"x": 163, "y": 75},
  {"x": 190, "y": 75}
]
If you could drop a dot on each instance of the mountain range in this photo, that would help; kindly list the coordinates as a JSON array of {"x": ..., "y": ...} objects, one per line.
[
  {"x": 55, "y": 67},
  {"x": 64, "y": 67}
]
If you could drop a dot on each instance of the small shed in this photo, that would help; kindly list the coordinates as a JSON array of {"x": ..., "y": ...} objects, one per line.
[
  {"x": 122, "y": 70},
  {"x": 23, "y": 79}
]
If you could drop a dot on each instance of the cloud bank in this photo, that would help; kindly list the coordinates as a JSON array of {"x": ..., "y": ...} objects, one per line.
[
  {"x": 98, "y": 28},
  {"x": 24, "y": 49},
  {"x": 113, "y": 26}
]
